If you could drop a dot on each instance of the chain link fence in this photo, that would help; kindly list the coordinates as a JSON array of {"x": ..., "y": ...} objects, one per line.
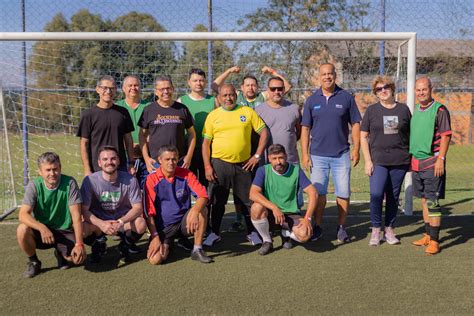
[{"x": 55, "y": 81}]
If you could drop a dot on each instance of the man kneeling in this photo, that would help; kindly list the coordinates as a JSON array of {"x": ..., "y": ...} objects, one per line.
[
  {"x": 168, "y": 206},
  {"x": 112, "y": 205},
  {"x": 275, "y": 189},
  {"x": 50, "y": 216}
]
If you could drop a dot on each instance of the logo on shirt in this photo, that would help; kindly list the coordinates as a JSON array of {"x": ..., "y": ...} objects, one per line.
[
  {"x": 113, "y": 197},
  {"x": 179, "y": 193},
  {"x": 390, "y": 124},
  {"x": 167, "y": 119},
  {"x": 316, "y": 106},
  {"x": 243, "y": 118},
  {"x": 339, "y": 106}
]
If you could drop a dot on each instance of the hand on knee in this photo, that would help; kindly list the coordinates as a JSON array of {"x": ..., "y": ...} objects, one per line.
[{"x": 157, "y": 259}]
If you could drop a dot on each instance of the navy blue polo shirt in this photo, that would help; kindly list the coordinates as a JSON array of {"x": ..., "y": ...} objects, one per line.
[{"x": 329, "y": 120}]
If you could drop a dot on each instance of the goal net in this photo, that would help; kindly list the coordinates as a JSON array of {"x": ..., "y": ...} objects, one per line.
[{"x": 44, "y": 93}]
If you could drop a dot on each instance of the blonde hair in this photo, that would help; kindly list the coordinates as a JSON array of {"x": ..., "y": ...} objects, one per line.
[{"x": 385, "y": 80}]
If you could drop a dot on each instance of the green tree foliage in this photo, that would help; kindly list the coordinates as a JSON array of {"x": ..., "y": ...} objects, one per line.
[
  {"x": 195, "y": 56},
  {"x": 296, "y": 58},
  {"x": 69, "y": 70}
]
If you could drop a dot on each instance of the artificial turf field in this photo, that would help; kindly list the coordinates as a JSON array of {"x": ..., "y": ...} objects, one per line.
[{"x": 322, "y": 277}]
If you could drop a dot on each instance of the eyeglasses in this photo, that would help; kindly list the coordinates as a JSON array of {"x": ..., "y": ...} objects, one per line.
[
  {"x": 164, "y": 89},
  {"x": 273, "y": 89},
  {"x": 386, "y": 87},
  {"x": 105, "y": 88}
]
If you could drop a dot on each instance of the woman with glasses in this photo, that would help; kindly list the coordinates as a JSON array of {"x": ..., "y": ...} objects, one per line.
[{"x": 385, "y": 133}]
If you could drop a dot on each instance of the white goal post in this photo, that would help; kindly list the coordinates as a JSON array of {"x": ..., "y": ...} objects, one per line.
[{"x": 409, "y": 37}]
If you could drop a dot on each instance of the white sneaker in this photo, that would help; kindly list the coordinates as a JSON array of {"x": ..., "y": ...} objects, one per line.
[
  {"x": 211, "y": 240},
  {"x": 254, "y": 239},
  {"x": 390, "y": 237},
  {"x": 375, "y": 237}
]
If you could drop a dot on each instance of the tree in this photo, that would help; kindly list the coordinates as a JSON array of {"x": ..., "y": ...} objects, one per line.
[
  {"x": 295, "y": 58},
  {"x": 195, "y": 55}
]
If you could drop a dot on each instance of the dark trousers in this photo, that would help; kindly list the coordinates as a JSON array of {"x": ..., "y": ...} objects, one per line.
[
  {"x": 386, "y": 181},
  {"x": 197, "y": 167},
  {"x": 233, "y": 176}
]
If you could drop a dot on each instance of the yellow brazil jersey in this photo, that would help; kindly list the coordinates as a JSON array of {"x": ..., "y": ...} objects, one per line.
[{"x": 230, "y": 132}]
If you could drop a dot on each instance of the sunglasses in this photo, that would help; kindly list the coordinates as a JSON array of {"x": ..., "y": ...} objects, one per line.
[
  {"x": 386, "y": 87},
  {"x": 273, "y": 89}
]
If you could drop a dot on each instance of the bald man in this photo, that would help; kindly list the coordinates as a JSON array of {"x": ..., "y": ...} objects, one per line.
[{"x": 430, "y": 133}]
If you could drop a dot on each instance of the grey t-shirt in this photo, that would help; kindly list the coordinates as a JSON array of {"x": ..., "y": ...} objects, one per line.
[
  {"x": 282, "y": 124},
  {"x": 31, "y": 195},
  {"x": 110, "y": 201}
]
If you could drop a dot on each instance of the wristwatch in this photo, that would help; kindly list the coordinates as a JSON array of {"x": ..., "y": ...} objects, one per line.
[{"x": 257, "y": 156}]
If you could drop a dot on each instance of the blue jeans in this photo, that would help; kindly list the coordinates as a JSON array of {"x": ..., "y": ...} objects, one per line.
[
  {"x": 386, "y": 181},
  {"x": 341, "y": 174}
]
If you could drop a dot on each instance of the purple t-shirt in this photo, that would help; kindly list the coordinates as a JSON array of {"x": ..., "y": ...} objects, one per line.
[
  {"x": 110, "y": 201},
  {"x": 282, "y": 124},
  {"x": 329, "y": 119}
]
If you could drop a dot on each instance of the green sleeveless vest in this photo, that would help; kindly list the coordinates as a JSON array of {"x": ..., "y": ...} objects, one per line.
[
  {"x": 52, "y": 206},
  {"x": 282, "y": 190},
  {"x": 422, "y": 127}
]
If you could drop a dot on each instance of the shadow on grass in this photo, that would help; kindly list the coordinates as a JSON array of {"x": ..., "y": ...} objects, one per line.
[{"x": 111, "y": 260}]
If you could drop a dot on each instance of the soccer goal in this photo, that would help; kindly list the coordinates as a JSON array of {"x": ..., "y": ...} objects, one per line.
[{"x": 49, "y": 78}]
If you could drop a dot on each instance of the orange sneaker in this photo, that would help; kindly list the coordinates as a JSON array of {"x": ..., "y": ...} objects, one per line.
[
  {"x": 423, "y": 241},
  {"x": 433, "y": 248}
]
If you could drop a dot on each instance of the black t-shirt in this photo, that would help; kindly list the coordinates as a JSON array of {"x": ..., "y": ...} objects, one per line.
[
  {"x": 389, "y": 134},
  {"x": 105, "y": 127},
  {"x": 166, "y": 126}
]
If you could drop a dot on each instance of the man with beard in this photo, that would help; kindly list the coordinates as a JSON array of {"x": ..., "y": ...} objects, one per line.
[
  {"x": 112, "y": 205},
  {"x": 275, "y": 195}
]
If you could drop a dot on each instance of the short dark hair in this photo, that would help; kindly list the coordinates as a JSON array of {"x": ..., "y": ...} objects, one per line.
[
  {"x": 164, "y": 78},
  {"x": 248, "y": 76},
  {"x": 108, "y": 148},
  {"x": 275, "y": 78},
  {"x": 276, "y": 149},
  {"x": 165, "y": 148},
  {"x": 196, "y": 71},
  {"x": 106, "y": 78},
  {"x": 48, "y": 157}
]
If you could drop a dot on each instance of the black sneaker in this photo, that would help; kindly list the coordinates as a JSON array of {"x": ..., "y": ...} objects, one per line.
[
  {"x": 266, "y": 248},
  {"x": 287, "y": 243},
  {"x": 98, "y": 249},
  {"x": 317, "y": 232},
  {"x": 33, "y": 268},
  {"x": 124, "y": 252},
  {"x": 63, "y": 264},
  {"x": 134, "y": 249},
  {"x": 184, "y": 243},
  {"x": 201, "y": 256}
]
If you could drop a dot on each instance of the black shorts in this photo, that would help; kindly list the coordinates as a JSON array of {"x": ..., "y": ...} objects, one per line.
[
  {"x": 291, "y": 219},
  {"x": 64, "y": 241},
  {"x": 176, "y": 230},
  {"x": 426, "y": 185}
]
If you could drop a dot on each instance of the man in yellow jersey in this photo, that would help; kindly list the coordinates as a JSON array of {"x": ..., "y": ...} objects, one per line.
[{"x": 229, "y": 129}]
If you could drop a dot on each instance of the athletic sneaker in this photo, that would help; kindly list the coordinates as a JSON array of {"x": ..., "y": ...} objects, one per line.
[
  {"x": 200, "y": 256},
  {"x": 33, "y": 268},
  {"x": 390, "y": 237},
  {"x": 63, "y": 264},
  {"x": 184, "y": 243},
  {"x": 317, "y": 233},
  {"x": 342, "y": 236},
  {"x": 211, "y": 240},
  {"x": 124, "y": 252},
  {"x": 99, "y": 248},
  {"x": 424, "y": 241},
  {"x": 266, "y": 248},
  {"x": 432, "y": 248},
  {"x": 133, "y": 248},
  {"x": 287, "y": 242},
  {"x": 254, "y": 239},
  {"x": 375, "y": 236},
  {"x": 236, "y": 227}
]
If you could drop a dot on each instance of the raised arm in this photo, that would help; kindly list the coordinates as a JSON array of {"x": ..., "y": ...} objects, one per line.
[
  {"x": 222, "y": 77},
  {"x": 272, "y": 72}
]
